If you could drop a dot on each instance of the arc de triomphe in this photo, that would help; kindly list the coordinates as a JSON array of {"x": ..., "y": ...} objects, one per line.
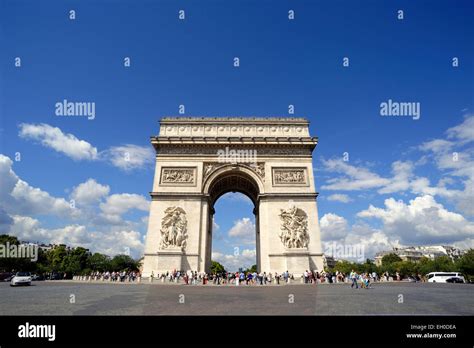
[{"x": 198, "y": 159}]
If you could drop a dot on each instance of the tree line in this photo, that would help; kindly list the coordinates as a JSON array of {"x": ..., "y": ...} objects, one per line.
[
  {"x": 63, "y": 260},
  {"x": 392, "y": 264}
]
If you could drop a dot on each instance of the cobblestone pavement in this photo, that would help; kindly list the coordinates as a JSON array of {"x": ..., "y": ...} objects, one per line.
[{"x": 80, "y": 298}]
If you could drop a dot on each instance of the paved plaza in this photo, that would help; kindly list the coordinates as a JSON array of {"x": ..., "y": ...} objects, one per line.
[{"x": 75, "y": 298}]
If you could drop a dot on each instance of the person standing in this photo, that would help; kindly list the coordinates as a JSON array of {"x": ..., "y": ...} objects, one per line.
[{"x": 353, "y": 277}]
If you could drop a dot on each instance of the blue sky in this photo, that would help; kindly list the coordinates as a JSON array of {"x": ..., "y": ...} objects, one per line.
[{"x": 403, "y": 168}]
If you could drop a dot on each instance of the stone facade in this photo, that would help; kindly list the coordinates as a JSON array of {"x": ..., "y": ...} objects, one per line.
[{"x": 201, "y": 158}]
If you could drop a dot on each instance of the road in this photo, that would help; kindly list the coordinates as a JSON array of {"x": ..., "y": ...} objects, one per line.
[{"x": 75, "y": 298}]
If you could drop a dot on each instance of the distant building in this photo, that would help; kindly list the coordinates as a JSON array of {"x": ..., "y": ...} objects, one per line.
[
  {"x": 329, "y": 262},
  {"x": 415, "y": 253}
]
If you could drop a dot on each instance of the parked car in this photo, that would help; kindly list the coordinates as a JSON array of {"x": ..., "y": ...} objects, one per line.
[
  {"x": 21, "y": 278},
  {"x": 455, "y": 280},
  {"x": 37, "y": 277},
  {"x": 6, "y": 276},
  {"x": 55, "y": 276}
]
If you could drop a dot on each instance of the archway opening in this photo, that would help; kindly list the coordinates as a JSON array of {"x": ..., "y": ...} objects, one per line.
[
  {"x": 234, "y": 228},
  {"x": 234, "y": 233}
]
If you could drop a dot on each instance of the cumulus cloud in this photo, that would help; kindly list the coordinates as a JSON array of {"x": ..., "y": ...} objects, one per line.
[
  {"x": 125, "y": 157},
  {"x": 232, "y": 262},
  {"x": 333, "y": 227},
  {"x": 354, "y": 177},
  {"x": 18, "y": 197},
  {"x": 216, "y": 231},
  {"x": 339, "y": 197},
  {"x": 463, "y": 132},
  {"x": 244, "y": 230},
  {"x": 352, "y": 242},
  {"x": 421, "y": 221},
  {"x": 110, "y": 242},
  {"x": 54, "y": 138},
  {"x": 21, "y": 205},
  {"x": 128, "y": 157},
  {"x": 402, "y": 173},
  {"x": 89, "y": 192},
  {"x": 453, "y": 158},
  {"x": 118, "y": 204}
]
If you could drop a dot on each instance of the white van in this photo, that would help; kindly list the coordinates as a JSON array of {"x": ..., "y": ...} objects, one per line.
[{"x": 445, "y": 277}]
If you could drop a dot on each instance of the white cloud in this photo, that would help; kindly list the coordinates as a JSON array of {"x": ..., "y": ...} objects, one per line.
[
  {"x": 21, "y": 204},
  {"x": 54, "y": 138},
  {"x": 436, "y": 145},
  {"x": 333, "y": 227},
  {"x": 89, "y": 192},
  {"x": 356, "y": 242},
  {"x": 244, "y": 230},
  {"x": 402, "y": 173},
  {"x": 127, "y": 157},
  {"x": 216, "y": 231},
  {"x": 118, "y": 204},
  {"x": 18, "y": 197},
  {"x": 464, "y": 132},
  {"x": 421, "y": 221},
  {"x": 354, "y": 178},
  {"x": 109, "y": 242},
  {"x": 232, "y": 262},
  {"x": 338, "y": 197},
  {"x": 453, "y": 159}
]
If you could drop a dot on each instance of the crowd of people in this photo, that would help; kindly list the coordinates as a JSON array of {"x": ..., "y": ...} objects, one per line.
[
  {"x": 124, "y": 276},
  {"x": 362, "y": 280},
  {"x": 260, "y": 278}
]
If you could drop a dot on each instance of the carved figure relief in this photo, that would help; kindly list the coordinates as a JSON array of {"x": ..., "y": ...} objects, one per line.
[
  {"x": 174, "y": 229},
  {"x": 294, "y": 228},
  {"x": 290, "y": 176},
  {"x": 177, "y": 176}
]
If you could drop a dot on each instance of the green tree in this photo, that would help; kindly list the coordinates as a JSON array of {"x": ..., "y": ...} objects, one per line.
[
  {"x": 443, "y": 264},
  {"x": 75, "y": 261},
  {"x": 465, "y": 264},
  {"x": 17, "y": 263},
  {"x": 404, "y": 268},
  {"x": 344, "y": 266},
  {"x": 252, "y": 269},
  {"x": 368, "y": 266},
  {"x": 216, "y": 267},
  {"x": 99, "y": 262},
  {"x": 123, "y": 263},
  {"x": 390, "y": 258},
  {"x": 56, "y": 257}
]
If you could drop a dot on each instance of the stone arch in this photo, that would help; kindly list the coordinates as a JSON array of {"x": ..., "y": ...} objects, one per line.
[
  {"x": 190, "y": 176},
  {"x": 233, "y": 178}
]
